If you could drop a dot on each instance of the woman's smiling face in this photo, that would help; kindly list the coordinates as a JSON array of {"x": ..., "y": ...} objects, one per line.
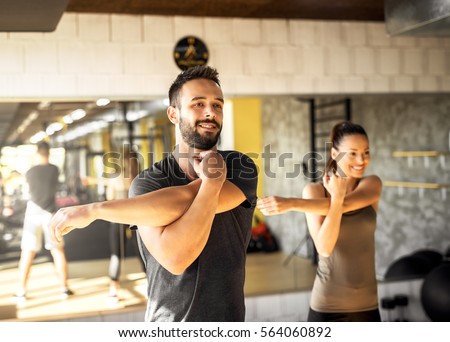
[{"x": 352, "y": 155}]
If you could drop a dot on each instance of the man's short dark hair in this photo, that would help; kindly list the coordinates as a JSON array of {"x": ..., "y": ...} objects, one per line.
[
  {"x": 43, "y": 148},
  {"x": 197, "y": 72}
]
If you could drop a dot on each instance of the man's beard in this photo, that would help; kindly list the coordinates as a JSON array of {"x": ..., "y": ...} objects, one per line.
[{"x": 194, "y": 139}]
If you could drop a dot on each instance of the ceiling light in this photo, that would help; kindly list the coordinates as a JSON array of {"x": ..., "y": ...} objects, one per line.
[
  {"x": 78, "y": 114},
  {"x": 33, "y": 116},
  {"x": 136, "y": 115},
  {"x": 54, "y": 127},
  {"x": 38, "y": 137},
  {"x": 67, "y": 119},
  {"x": 43, "y": 105},
  {"x": 102, "y": 102}
]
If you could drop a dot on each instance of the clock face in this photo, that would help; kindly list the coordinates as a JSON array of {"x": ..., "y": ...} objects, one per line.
[{"x": 189, "y": 52}]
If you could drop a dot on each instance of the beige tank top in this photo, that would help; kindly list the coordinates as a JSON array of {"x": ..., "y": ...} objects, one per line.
[{"x": 346, "y": 281}]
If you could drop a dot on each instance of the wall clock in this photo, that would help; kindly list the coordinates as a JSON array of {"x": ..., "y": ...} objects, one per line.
[{"x": 189, "y": 52}]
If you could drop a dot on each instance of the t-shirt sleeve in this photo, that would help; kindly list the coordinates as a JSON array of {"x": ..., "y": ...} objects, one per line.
[
  {"x": 242, "y": 172},
  {"x": 147, "y": 181},
  {"x": 144, "y": 183}
]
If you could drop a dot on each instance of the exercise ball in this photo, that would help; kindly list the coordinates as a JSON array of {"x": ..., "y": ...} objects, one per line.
[
  {"x": 435, "y": 293},
  {"x": 409, "y": 267},
  {"x": 433, "y": 256}
]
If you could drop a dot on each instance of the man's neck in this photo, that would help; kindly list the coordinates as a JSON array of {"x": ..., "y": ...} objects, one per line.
[
  {"x": 184, "y": 155},
  {"x": 42, "y": 160}
]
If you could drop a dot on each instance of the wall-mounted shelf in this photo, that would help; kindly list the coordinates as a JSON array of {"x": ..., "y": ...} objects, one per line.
[
  {"x": 424, "y": 154},
  {"x": 418, "y": 185},
  {"x": 421, "y": 186},
  {"x": 420, "y": 153}
]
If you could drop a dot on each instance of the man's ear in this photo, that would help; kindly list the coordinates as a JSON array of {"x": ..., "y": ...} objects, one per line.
[{"x": 172, "y": 115}]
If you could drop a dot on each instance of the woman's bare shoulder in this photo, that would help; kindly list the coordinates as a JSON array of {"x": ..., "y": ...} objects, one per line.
[{"x": 313, "y": 190}]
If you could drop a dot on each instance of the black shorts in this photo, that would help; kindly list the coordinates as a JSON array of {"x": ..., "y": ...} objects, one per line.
[{"x": 361, "y": 316}]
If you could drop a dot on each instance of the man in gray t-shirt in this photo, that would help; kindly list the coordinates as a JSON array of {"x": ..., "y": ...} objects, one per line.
[
  {"x": 193, "y": 211},
  {"x": 211, "y": 288}
]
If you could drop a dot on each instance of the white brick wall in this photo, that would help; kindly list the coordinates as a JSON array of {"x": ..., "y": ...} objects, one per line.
[
  {"x": 122, "y": 56},
  {"x": 126, "y": 28},
  {"x": 92, "y": 27}
]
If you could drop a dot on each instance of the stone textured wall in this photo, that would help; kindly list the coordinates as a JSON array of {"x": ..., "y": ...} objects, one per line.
[{"x": 409, "y": 219}]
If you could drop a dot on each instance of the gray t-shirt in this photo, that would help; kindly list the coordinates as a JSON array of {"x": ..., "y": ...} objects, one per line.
[
  {"x": 43, "y": 182},
  {"x": 212, "y": 287}
]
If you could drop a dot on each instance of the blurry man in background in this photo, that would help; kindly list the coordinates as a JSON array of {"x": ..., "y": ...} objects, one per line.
[{"x": 42, "y": 180}]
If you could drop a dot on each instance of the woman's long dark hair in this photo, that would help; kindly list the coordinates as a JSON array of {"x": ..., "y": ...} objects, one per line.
[{"x": 338, "y": 133}]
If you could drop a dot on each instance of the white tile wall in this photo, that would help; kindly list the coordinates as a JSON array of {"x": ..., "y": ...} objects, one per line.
[
  {"x": 377, "y": 84},
  {"x": 94, "y": 27},
  {"x": 76, "y": 57},
  {"x": 428, "y": 84},
  {"x": 429, "y": 42},
  {"x": 92, "y": 85},
  {"x": 303, "y": 32},
  {"x": 26, "y": 36},
  {"x": 258, "y": 60},
  {"x": 274, "y": 32},
  {"x": 314, "y": 60},
  {"x": 412, "y": 62},
  {"x": 303, "y": 84},
  {"x": 159, "y": 30},
  {"x": 219, "y": 31},
  {"x": 184, "y": 26},
  {"x": 120, "y": 85},
  {"x": 389, "y": 61},
  {"x": 445, "y": 84},
  {"x": 41, "y": 57},
  {"x": 227, "y": 59},
  {"x": 25, "y": 85},
  {"x": 436, "y": 62},
  {"x": 126, "y": 28},
  {"x": 403, "y": 84},
  {"x": 247, "y": 31},
  {"x": 11, "y": 58},
  {"x": 364, "y": 61},
  {"x": 354, "y": 34},
  {"x": 138, "y": 59},
  {"x": 286, "y": 60},
  {"x": 404, "y": 41},
  {"x": 377, "y": 35},
  {"x": 59, "y": 85},
  {"x": 66, "y": 29},
  {"x": 253, "y": 56},
  {"x": 276, "y": 85},
  {"x": 330, "y": 33},
  {"x": 338, "y": 61},
  {"x": 164, "y": 63},
  {"x": 328, "y": 85},
  {"x": 353, "y": 84},
  {"x": 108, "y": 58}
]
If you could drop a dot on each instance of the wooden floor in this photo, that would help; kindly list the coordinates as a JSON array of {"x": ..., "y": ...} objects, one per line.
[{"x": 266, "y": 274}]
